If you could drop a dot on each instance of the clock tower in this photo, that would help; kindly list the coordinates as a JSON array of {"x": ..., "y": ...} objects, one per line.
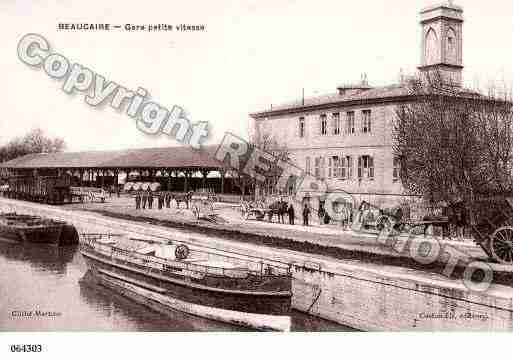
[{"x": 442, "y": 40}]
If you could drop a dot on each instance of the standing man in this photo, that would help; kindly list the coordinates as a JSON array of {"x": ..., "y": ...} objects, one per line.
[
  {"x": 321, "y": 213},
  {"x": 167, "y": 198},
  {"x": 138, "y": 200},
  {"x": 306, "y": 214},
  {"x": 282, "y": 208},
  {"x": 144, "y": 199},
  {"x": 150, "y": 199},
  {"x": 161, "y": 200},
  {"x": 290, "y": 211}
]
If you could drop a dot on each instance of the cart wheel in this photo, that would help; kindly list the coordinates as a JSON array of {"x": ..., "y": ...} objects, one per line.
[
  {"x": 384, "y": 223},
  {"x": 501, "y": 245}
]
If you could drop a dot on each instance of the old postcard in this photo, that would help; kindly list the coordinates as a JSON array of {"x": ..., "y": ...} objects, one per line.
[{"x": 286, "y": 166}]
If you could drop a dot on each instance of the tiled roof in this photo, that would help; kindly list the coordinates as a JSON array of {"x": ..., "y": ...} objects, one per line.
[
  {"x": 164, "y": 157},
  {"x": 349, "y": 96}
]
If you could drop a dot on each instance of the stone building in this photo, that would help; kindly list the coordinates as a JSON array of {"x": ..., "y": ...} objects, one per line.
[{"x": 346, "y": 138}]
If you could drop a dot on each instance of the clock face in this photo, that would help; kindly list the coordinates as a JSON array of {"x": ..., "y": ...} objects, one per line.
[{"x": 432, "y": 48}]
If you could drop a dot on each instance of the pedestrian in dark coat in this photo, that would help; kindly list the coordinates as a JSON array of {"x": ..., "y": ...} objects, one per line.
[
  {"x": 290, "y": 211},
  {"x": 150, "y": 199},
  {"x": 321, "y": 214},
  {"x": 306, "y": 214},
  {"x": 138, "y": 200},
  {"x": 160, "y": 200},
  {"x": 144, "y": 199},
  {"x": 168, "y": 199},
  {"x": 282, "y": 208}
]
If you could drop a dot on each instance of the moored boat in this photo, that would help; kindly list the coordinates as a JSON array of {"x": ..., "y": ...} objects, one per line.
[
  {"x": 29, "y": 228},
  {"x": 227, "y": 289}
]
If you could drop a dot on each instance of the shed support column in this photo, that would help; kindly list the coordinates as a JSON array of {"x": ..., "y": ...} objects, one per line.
[
  {"x": 204, "y": 173},
  {"x": 116, "y": 181},
  {"x": 186, "y": 182},
  {"x": 223, "y": 173}
]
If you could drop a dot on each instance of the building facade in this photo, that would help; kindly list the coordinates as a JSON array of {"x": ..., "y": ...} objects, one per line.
[{"x": 346, "y": 138}]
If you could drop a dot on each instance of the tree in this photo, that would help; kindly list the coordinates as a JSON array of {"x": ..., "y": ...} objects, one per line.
[
  {"x": 269, "y": 144},
  {"x": 35, "y": 141},
  {"x": 454, "y": 144}
]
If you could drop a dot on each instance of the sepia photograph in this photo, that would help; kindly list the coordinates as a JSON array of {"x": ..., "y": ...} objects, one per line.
[{"x": 328, "y": 169}]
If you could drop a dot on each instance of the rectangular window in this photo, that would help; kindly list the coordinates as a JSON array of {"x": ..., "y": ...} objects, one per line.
[
  {"x": 330, "y": 166},
  {"x": 324, "y": 125},
  {"x": 307, "y": 166},
  {"x": 317, "y": 170},
  {"x": 350, "y": 122},
  {"x": 366, "y": 121},
  {"x": 342, "y": 167},
  {"x": 301, "y": 127},
  {"x": 323, "y": 167},
  {"x": 336, "y": 166},
  {"x": 336, "y": 123},
  {"x": 397, "y": 169},
  {"x": 349, "y": 167},
  {"x": 365, "y": 167}
]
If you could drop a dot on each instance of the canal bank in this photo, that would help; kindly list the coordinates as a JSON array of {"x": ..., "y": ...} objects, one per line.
[{"x": 366, "y": 296}]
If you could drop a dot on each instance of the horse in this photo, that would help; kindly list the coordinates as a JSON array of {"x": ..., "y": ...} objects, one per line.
[{"x": 185, "y": 198}]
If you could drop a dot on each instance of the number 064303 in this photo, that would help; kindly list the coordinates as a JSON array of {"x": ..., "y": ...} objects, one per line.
[{"x": 26, "y": 348}]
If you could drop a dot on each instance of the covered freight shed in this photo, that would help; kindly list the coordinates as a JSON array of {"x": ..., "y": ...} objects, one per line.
[{"x": 175, "y": 168}]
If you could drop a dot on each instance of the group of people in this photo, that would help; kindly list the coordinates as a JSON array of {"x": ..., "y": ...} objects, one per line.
[
  {"x": 146, "y": 198},
  {"x": 281, "y": 207}
]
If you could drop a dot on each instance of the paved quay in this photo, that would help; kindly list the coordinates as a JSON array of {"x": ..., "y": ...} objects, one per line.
[
  {"x": 327, "y": 240},
  {"x": 396, "y": 297}
]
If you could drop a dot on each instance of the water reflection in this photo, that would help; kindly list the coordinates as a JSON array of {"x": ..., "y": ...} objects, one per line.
[
  {"x": 158, "y": 319},
  {"x": 55, "y": 280},
  {"x": 40, "y": 257}
]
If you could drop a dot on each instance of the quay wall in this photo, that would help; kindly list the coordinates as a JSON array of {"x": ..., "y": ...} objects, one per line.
[{"x": 364, "y": 296}]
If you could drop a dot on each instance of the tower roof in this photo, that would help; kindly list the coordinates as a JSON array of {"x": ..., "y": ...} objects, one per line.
[{"x": 445, "y": 10}]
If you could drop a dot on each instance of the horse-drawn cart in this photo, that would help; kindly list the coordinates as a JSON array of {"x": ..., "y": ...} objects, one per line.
[
  {"x": 253, "y": 210},
  {"x": 492, "y": 227},
  {"x": 491, "y": 224}
]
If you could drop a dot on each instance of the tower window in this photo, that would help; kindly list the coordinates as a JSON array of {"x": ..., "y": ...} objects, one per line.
[
  {"x": 432, "y": 48},
  {"x": 451, "y": 46}
]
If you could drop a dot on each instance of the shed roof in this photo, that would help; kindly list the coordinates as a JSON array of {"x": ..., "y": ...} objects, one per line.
[{"x": 162, "y": 157}]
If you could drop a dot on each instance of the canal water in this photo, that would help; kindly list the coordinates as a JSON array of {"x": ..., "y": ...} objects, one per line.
[{"x": 53, "y": 281}]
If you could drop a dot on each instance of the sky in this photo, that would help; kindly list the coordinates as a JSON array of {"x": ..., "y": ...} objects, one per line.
[{"x": 251, "y": 55}]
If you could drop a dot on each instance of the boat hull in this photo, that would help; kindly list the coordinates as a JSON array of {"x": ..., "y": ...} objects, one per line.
[
  {"x": 261, "y": 311},
  {"x": 162, "y": 302},
  {"x": 46, "y": 235}
]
